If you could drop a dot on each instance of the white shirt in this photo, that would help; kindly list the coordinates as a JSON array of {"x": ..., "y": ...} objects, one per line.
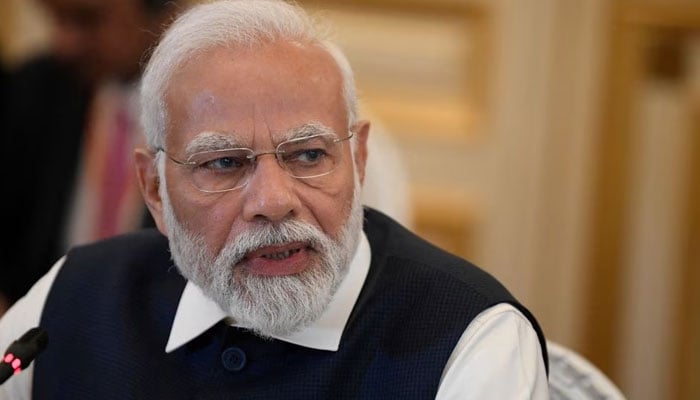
[{"x": 497, "y": 357}]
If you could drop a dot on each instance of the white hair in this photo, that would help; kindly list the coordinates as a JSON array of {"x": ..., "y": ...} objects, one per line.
[
  {"x": 230, "y": 24},
  {"x": 268, "y": 306}
]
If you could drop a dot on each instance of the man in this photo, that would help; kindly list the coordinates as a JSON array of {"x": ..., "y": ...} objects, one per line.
[
  {"x": 74, "y": 110},
  {"x": 286, "y": 288}
]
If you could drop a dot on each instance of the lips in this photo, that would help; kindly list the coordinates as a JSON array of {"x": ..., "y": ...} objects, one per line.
[
  {"x": 281, "y": 255},
  {"x": 288, "y": 259}
]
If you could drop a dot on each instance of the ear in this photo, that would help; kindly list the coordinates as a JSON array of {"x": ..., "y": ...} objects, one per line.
[
  {"x": 149, "y": 182},
  {"x": 361, "y": 134}
]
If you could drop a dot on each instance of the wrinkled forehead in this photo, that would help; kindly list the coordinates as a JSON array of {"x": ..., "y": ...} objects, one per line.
[{"x": 265, "y": 94}]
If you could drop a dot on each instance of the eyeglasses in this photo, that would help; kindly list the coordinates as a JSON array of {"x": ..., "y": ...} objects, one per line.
[{"x": 229, "y": 169}]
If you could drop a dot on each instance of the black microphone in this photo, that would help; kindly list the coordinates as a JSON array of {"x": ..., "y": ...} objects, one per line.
[{"x": 22, "y": 352}]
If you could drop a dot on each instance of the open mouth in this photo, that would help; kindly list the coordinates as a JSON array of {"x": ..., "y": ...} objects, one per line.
[
  {"x": 287, "y": 259},
  {"x": 281, "y": 255}
]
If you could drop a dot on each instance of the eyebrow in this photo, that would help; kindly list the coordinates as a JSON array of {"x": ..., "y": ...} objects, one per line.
[
  {"x": 309, "y": 129},
  {"x": 212, "y": 141}
]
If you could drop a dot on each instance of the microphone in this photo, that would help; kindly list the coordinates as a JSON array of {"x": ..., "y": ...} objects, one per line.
[{"x": 22, "y": 352}]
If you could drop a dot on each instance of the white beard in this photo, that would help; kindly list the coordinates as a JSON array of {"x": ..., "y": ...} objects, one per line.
[{"x": 267, "y": 305}]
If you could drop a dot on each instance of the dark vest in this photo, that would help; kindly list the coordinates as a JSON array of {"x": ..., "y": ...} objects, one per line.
[{"x": 111, "y": 307}]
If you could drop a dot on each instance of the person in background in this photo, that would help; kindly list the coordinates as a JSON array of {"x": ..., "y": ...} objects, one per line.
[
  {"x": 3, "y": 83},
  {"x": 266, "y": 277},
  {"x": 69, "y": 121},
  {"x": 4, "y": 301}
]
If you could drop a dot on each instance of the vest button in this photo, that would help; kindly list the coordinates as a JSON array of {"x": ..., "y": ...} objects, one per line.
[{"x": 233, "y": 359}]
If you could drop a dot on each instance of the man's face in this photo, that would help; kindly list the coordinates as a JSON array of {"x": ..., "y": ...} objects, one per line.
[
  {"x": 293, "y": 235},
  {"x": 102, "y": 38},
  {"x": 257, "y": 99}
]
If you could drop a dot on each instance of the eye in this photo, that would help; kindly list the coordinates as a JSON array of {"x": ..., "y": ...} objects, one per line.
[
  {"x": 309, "y": 156},
  {"x": 306, "y": 156},
  {"x": 221, "y": 161},
  {"x": 224, "y": 163}
]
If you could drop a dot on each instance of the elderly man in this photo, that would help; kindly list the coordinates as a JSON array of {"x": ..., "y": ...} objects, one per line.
[{"x": 283, "y": 286}]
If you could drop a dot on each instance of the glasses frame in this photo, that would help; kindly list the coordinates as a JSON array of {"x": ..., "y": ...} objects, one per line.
[{"x": 253, "y": 156}]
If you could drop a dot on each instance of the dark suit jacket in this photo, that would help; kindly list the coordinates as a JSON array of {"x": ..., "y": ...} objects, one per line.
[{"x": 42, "y": 124}]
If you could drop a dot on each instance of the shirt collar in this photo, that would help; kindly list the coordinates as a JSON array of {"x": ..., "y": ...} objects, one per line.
[{"x": 196, "y": 312}]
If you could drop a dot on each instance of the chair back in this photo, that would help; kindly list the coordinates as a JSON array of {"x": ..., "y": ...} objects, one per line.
[{"x": 572, "y": 377}]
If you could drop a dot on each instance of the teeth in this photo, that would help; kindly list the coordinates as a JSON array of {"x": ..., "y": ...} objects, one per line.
[{"x": 281, "y": 255}]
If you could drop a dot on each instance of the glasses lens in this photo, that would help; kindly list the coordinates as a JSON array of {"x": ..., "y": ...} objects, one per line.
[
  {"x": 214, "y": 171},
  {"x": 310, "y": 157}
]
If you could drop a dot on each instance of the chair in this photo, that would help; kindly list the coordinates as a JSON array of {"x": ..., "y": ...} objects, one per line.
[{"x": 572, "y": 377}]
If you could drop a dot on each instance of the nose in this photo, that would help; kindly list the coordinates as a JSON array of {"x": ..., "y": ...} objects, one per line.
[{"x": 270, "y": 192}]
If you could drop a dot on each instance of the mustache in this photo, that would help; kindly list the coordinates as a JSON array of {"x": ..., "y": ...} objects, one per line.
[{"x": 273, "y": 234}]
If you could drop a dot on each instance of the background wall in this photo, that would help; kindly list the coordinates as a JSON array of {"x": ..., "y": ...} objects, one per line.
[
  {"x": 23, "y": 30},
  {"x": 555, "y": 143}
]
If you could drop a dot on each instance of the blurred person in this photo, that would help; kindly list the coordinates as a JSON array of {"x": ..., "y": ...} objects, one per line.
[
  {"x": 3, "y": 86},
  {"x": 99, "y": 39},
  {"x": 69, "y": 124},
  {"x": 266, "y": 277}
]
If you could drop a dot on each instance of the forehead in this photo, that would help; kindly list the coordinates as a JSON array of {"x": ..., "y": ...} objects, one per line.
[{"x": 262, "y": 90}]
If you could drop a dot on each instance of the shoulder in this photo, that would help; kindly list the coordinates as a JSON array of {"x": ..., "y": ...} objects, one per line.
[
  {"x": 499, "y": 345},
  {"x": 44, "y": 86},
  {"x": 101, "y": 277},
  {"x": 396, "y": 247},
  {"x": 43, "y": 69},
  {"x": 133, "y": 255},
  {"x": 135, "y": 242},
  {"x": 453, "y": 285},
  {"x": 44, "y": 92}
]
